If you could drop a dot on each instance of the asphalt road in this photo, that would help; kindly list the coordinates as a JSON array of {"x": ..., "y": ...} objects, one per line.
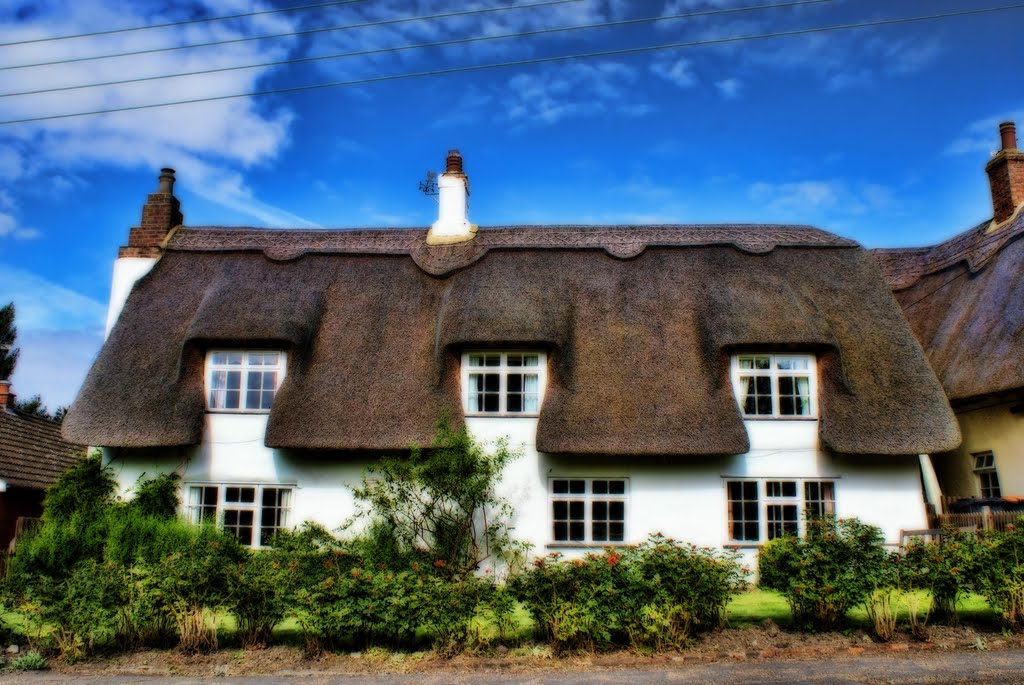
[{"x": 923, "y": 667}]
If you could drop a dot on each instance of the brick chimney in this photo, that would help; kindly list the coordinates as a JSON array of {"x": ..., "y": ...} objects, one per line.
[
  {"x": 1006, "y": 175},
  {"x": 452, "y": 225},
  {"x": 6, "y": 396},
  {"x": 160, "y": 214}
]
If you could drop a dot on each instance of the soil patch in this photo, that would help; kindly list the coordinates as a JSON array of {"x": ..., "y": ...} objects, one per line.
[{"x": 766, "y": 641}]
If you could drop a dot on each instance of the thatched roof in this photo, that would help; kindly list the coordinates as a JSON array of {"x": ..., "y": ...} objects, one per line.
[
  {"x": 32, "y": 452},
  {"x": 639, "y": 322},
  {"x": 964, "y": 299}
]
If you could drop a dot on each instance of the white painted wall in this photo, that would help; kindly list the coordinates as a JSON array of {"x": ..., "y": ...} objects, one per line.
[
  {"x": 127, "y": 270},
  {"x": 682, "y": 497}
]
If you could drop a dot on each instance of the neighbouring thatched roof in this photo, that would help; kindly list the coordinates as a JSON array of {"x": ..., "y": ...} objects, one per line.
[
  {"x": 964, "y": 299},
  {"x": 32, "y": 452},
  {"x": 639, "y": 322}
]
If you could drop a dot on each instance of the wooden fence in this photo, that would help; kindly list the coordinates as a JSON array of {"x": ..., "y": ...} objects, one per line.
[{"x": 989, "y": 520}]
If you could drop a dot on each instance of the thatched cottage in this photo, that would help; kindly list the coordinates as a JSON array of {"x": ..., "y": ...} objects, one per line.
[
  {"x": 964, "y": 299},
  {"x": 714, "y": 383}
]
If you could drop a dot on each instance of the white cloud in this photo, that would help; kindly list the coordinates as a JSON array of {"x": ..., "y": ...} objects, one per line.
[
  {"x": 9, "y": 227},
  {"x": 729, "y": 88},
  {"x": 580, "y": 89},
  {"x": 53, "y": 364},
  {"x": 982, "y": 135},
  {"x": 817, "y": 199},
  {"x": 677, "y": 70},
  {"x": 220, "y": 140},
  {"x": 59, "y": 333}
]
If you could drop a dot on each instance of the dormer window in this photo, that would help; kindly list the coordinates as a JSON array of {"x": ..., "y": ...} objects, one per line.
[
  {"x": 503, "y": 383},
  {"x": 774, "y": 386},
  {"x": 243, "y": 381}
]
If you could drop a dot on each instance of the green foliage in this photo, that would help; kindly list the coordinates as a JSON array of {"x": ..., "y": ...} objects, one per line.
[
  {"x": 8, "y": 334},
  {"x": 86, "y": 488},
  {"x": 654, "y": 595},
  {"x": 157, "y": 496},
  {"x": 834, "y": 567},
  {"x": 946, "y": 567},
  {"x": 29, "y": 661},
  {"x": 258, "y": 597},
  {"x": 438, "y": 504},
  {"x": 999, "y": 572}
]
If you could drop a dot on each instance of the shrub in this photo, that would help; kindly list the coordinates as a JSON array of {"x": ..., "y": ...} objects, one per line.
[
  {"x": 654, "y": 595},
  {"x": 438, "y": 503},
  {"x": 29, "y": 661},
  {"x": 946, "y": 567},
  {"x": 258, "y": 597},
  {"x": 834, "y": 567},
  {"x": 192, "y": 584},
  {"x": 86, "y": 488},
  {"x": 1000, "y": 572},
  {"x": 157, "y": 496}
]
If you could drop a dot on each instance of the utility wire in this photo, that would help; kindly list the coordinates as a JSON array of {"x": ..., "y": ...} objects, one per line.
[
  {"x": 304, "y": 32},
  {"x": 525, "y": 62},
  {"x": 183, "y": 22},
  {"x": 442, "y": 43}
]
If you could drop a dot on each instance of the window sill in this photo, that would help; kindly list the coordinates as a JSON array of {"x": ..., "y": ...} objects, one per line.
[
  {"x": 239, "y": 412},
  {"x": 780, "y": 418},
  {"x": 496, "y": 415},
  {"x": 584, "y": 545}
]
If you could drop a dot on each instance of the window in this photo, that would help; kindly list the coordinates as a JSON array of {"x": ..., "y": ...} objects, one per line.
[
  {"x": 503, "y": 383},
  {"x": 781, "y": 504},
  {"x": 775, "y": 385},
  {"x": 588, "y": 510},
  {"x": 252, "y": 513},
  {"x": 243, "y": 381},
  {"x": 988, "y": 479}
]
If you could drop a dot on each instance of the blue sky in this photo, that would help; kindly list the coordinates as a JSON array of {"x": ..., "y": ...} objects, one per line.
[{"x": 878, "y": 134}]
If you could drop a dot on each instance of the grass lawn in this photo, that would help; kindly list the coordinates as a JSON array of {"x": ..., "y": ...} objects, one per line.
[{"x": 756, "y": 605}]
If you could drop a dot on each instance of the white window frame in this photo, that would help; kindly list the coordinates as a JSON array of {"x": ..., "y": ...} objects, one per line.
[
  {"x": 985, "y": 465},
  {"x": 774, "y": 373},
  {"x": 193, "y": 509},
  {"x": 764, "y": 500},
  {"x": 244, "y": 368},
  {"x": 503, "y": 370},
  {"x": 588, "y": 498}
]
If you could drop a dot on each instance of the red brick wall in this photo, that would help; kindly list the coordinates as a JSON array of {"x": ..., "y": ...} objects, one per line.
[
  {"x": 160, "y": 214},
  {"x": 1006, "y": 177}
]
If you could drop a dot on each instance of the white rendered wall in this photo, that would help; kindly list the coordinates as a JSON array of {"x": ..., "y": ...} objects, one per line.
[
  {"x": 681, "y": 497},
  {"x": 127, "y": 270}
]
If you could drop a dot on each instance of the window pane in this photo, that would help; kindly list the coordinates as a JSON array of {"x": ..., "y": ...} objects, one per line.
[
  {"x": 764, "y": 406},
  {"x": 515, "y": 360},
  {"x": 599, "y": 510},
  {"x": 252, "y": 399},
  {"x": 531, "y": 360},
  {"x": 561, "y": 510},
  {"x": 789, "y": 488},
  {"x": 561, "y": 531},
  {"x": 576, "y": 510},
  {"x": 491, "y": 403},
  {"x": 514, "y": 382},
  {"x": 616, "y": 531},
  {"x": 560, "y": 487},
  {"x": 514, "y": 403},
  {"x": 232, "y": 494},
  {"x": 492, "y": 360},
  {"x": 576, "y": 531},
  {"x": 617, "y": 487},
  {"x": 577, "y": 487},
  {"x": 476, "y": 360},
  {"x": 492, "y": 382},
  {"x": 599, "y": 487},
  {"x": 600, "y": 531}
]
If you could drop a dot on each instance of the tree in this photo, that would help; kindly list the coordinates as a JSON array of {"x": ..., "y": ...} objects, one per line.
[
  {"x": 439, "y": 504},
  {"x": 8, "y": 352}
]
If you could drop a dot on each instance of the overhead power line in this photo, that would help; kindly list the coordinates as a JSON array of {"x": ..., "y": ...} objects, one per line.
[
  {"x": 304, "y": 32},
  {"x": 526, "y": 62},
  {"x": 183, "y": 22},
  {"x": 419, "y": 46}
]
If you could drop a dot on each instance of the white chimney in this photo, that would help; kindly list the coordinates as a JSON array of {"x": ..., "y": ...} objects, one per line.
[{"x": 452, "y": 225}]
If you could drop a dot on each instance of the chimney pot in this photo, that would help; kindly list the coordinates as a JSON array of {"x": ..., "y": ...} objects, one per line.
[
  {"x": 166, "y": 185},
  {"x": 1006, "y": 177},
  {"x": 1008, "y": 135},
  {"x": 453, "y": 165}
]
